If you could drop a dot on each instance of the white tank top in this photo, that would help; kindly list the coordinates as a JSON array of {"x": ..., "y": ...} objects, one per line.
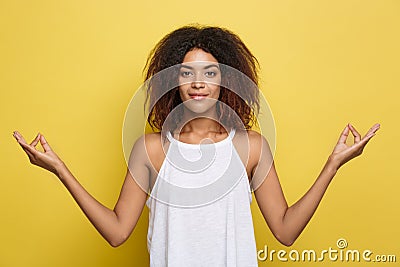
[{"x": 200, "y": 208}]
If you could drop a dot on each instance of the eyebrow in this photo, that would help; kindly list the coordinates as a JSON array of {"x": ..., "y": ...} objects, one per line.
[{"x": 206, "y": 67}]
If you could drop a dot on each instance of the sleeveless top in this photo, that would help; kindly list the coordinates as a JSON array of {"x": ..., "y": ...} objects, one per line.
[{"x": 200, "y": 208}]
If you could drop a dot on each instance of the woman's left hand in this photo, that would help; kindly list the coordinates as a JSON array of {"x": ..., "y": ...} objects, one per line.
[{"x": 342, "y": 152}]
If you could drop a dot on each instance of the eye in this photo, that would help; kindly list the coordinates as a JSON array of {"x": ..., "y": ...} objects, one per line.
[
  {"x": 186, "y": 74},
  {"x": 211, "y": 74}
]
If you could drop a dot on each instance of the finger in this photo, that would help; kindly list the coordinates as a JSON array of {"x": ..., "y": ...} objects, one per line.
[
  {"x": 30, "y": 151},
  {"x": 27, "y": 148},
  {"x": 357, "y": 136},
  {"x": 44, "y": 144},
  {"x": 366, "y": 139},
  {"x": 369, "y": 135},
  {"x": 19, "y": 137},
  {"x": 374, "y": 128},
  {"x": 30, "y": 155},
  {"x": 344, "y": 135},
  {"x": 36, "y": 140}
]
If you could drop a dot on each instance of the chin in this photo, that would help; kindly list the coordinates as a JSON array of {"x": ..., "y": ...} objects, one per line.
[{"x": 201, "y": 107}]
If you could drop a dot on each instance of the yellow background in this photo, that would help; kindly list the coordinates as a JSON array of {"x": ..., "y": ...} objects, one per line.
[{"x": 68, "y": 69}]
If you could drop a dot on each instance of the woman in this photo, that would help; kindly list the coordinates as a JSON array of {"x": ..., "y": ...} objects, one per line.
[{"x": 201, "y": 105}]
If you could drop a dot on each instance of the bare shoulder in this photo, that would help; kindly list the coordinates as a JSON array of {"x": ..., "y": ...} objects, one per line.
[
  {"x": 146, "y": 149},
  {"x": 255, "y": 137},
  {"x": 152, "y": 140},
  {"x": 257, "y": 142},
  {"x": 146, "y": 158},
  {"x": 256, "y": 149},
  {"x": 154, "y": 150},
  {"x": 248, "y": 144},
  {"x": 252, "y": 139}
]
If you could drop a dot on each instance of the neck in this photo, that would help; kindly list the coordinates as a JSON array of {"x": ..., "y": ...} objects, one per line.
[{"x": 201, "y": 123}]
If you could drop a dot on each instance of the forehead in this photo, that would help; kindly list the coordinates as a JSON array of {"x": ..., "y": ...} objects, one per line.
[{"x": 199, "y": 56}]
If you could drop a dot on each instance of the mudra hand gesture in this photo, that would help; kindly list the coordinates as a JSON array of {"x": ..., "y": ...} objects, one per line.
[
  {"x": 342, "y": 152},
  {"x": 47, "y": 159}
]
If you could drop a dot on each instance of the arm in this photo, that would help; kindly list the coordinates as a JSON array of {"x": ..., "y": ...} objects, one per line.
[
  {"x": 114, "y": 225},
  {"x": 286, "y": 223}
]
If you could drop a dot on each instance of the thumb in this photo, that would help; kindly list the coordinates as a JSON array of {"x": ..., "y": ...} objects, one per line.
[{"x": 44, "y": 143}]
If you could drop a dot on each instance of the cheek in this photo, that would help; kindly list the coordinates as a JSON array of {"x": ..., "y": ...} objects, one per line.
[
  {"x": 216, "y": 90},
  {"x": 182, "y": 91}
]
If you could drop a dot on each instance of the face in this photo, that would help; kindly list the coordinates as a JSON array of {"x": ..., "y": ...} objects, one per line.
[{"x": 199, "y": 81}]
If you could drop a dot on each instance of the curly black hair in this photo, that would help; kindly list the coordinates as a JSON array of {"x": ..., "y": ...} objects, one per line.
[{"x": 228, "y": 49}]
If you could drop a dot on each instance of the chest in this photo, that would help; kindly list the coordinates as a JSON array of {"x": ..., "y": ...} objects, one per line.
[{"x": 159, "y": 154}]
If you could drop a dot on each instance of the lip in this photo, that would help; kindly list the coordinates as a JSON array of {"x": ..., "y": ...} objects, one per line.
[{"x": 198, "y": 96}]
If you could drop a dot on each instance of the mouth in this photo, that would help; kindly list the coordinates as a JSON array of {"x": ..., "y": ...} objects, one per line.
[{"x": 198, "y": 96}]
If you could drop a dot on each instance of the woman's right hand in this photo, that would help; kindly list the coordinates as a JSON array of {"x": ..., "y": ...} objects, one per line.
[
  {"x": 115, "y": 225},
  {"x": 47, "y": 159}
]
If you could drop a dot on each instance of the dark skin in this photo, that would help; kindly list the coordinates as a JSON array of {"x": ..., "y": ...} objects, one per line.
[{"x": 286, "y": 223}]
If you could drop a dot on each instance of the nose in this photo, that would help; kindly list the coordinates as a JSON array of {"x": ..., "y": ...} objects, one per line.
[{"x": 198, "y": 84}]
